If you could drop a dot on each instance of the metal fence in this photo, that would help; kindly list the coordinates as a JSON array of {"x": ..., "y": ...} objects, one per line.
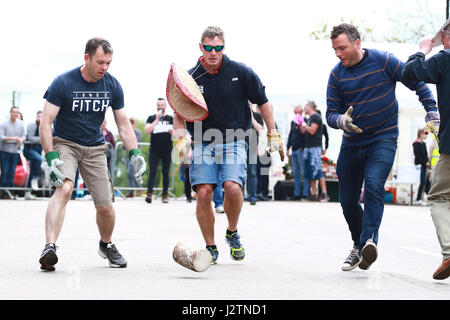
[
  {"x": 116, "y": 170},
  {"x": 45, "y": 188}
]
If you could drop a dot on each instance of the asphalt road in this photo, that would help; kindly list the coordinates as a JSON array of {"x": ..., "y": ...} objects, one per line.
[{"x": 294, "y": 251}]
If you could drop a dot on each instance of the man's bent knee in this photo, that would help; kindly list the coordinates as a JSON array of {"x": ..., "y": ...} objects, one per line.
[
  {"x": 232, "y": 189},
  {"x": 204, "y": 192},
  {"x": 65, "y": 191}
]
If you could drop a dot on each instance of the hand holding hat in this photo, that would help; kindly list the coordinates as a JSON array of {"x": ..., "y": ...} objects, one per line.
[
  {"x": 184, "y": 95},
  {"x": 182, "y": 146}
]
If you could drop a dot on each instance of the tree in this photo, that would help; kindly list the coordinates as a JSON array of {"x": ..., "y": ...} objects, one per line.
[{"x": 403, "y": 22}]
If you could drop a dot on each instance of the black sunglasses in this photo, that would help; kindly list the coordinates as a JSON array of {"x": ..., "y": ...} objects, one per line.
[{"x": 209, "y": 48}]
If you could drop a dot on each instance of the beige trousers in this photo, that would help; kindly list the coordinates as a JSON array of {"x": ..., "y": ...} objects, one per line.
[{"x": 439, "y": 200}]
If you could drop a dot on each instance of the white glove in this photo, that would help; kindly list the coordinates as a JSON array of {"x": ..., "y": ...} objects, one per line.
[
  {"x": 137, "y": 161},
  {"x": 53, "y": 161},
  {"x": 345, "y": 122}
]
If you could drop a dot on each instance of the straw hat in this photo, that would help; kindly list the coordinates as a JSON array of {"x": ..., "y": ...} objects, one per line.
[
  {"x": 437, "y": 40},
  {"x": 184, "y": 95}
]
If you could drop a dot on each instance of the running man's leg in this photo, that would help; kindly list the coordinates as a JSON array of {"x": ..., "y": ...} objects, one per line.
[
  {"x": 439, "y": 200},
  {"x": 106, "y": 218},
  {"x": 204, "y": 177},
  {"x": 378, "y": 164},
  {"x": 205, "y": 213},
  {"x": 56, "y": 210},
  {"x": 232, "y": 203},
  {"x": 350, "y": 176}
]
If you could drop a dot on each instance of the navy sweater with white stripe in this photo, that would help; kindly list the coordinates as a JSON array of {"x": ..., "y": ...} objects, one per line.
[{"x": 369, "y": 87}]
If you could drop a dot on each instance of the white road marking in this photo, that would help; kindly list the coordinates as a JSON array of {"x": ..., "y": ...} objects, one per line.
[{"x": 429, "y": 253}]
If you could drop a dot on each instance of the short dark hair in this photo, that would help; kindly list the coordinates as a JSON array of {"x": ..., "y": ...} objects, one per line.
[
  {"x": 161, "y": 99},
  {"x": 212, "y": 32},
  {"x": 94, "y": 43},
  {"x": 350, "y": 30},
  {"x": 13, "y": 107}
]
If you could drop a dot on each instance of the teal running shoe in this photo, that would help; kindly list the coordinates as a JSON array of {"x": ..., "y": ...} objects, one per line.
[
  {"x": 236, "y": 250},
  {"x": 214, "y": 254}
]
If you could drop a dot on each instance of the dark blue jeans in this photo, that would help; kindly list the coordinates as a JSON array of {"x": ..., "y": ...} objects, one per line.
[
  {"x": 423, "y": 181},
  {"x": 370, "y": 164},
  {"x": 8, "y": 165},
  {"x": 298, "y": 171},
  {"x": 252, "y": 180},
  {"x": 35, "y": 159}
]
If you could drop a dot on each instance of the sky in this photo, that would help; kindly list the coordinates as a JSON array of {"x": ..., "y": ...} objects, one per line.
[{"x": 42, "y": 39}]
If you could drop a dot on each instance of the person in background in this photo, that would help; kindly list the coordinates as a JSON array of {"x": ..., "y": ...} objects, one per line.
[
  {"x": 264, "y": 159},
  {"x": 160, "y": 127},
  {"x": 109, "y": 137},
  {"x": 132, "y": 182},
  {"x": 12, "y": 136},
  {"x": 252, "y": 155},
  {"x": 421, "y": 157},
  {"x": 32, "y": 151},
  {"x": 313, "y": 130},
  {"x": 296, "y": 143}
]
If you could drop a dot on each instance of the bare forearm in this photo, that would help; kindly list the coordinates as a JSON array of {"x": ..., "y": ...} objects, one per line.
[
  {"x": 46, "y": 136},
  {"x": 128, "y": 137},
  {"x": 179, "y": 127},
  {"x": 267, "y": 114}
]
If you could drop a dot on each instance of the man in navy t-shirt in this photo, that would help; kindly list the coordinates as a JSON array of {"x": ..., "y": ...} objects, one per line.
[
  {"x": 219, "y": 152},
  {"x": 76, "y": 103}
]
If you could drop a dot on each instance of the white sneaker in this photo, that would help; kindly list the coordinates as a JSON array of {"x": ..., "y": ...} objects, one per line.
[
  {"x": 29, "y": 196},
  {"x": 220, "y": 209},
  {"x": 34, "y": 184},
  {"x": 421, "y": 203}
]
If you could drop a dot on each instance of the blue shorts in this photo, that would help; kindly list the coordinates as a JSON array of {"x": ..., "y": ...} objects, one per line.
[
  {"x": 313, "y": 163},
  {"x": 217, "y": 163}
]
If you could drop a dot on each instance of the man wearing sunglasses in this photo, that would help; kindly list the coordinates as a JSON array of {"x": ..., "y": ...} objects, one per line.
[
  {"x": 227, "y": 86},
  {"x": 436, "y": 70}
]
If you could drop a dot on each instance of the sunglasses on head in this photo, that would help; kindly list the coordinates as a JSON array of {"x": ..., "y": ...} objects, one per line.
[{"x": 209, "y": 48}]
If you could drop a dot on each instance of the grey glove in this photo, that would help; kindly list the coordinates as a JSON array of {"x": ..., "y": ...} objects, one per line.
[
  {"x": 345, "y": 122},
  {"x": 137, "y": 161}
]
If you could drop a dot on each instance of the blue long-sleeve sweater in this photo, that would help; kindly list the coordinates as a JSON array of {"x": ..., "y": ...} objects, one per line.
[{"x": 369, "y": 87}]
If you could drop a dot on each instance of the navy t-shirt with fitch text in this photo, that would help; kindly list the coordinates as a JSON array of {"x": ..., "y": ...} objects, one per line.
[{"x": 83, "y": 106}]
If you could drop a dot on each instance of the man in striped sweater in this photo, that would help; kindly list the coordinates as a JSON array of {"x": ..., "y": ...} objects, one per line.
[{"x": 361, "y": 101}]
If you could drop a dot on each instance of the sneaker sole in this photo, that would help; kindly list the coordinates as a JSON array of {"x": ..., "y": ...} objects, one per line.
[
  {"x": 48, "y": 261},
  {"x": 112, "y": 265},
  {"x": 369, "y": 255},
  {"x": 349, "y": 268}
]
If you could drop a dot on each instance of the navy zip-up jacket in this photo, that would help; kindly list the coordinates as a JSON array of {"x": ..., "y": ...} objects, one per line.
[
  {"x": 227, "y": 94},
  {"x": 434, "y": 70}
]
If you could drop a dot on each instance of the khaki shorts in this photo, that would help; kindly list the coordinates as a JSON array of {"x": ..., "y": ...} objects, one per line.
[{"x": 91, "y": 161}]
